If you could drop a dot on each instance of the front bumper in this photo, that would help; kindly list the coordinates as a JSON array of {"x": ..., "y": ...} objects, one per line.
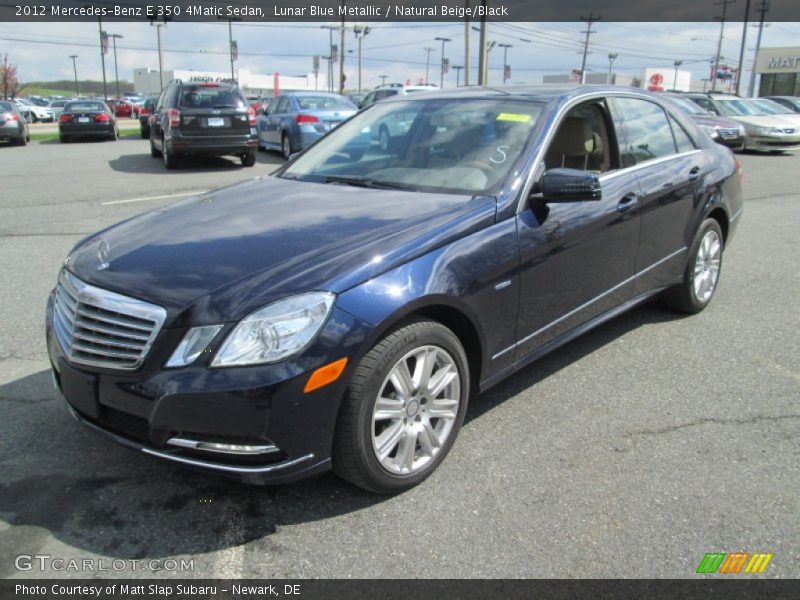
[
  {"x": 771, "y": 143},
  {"x": 265, "y": 405}
]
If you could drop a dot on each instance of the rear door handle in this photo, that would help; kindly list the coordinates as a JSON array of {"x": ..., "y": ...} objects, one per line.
[
  {"x": 628, "y": 202},
  {"x": 694, "y": 174}
]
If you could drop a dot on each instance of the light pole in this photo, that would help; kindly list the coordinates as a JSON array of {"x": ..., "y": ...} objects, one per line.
[
  {"x": 160, "y": 54},
  {"x": 678, "y": 63},
  {"x": 444, "y": 40},
  {"x": 505, "y": 48},
  {"x": 360, "y": 31},
  {"x": 383, "y": 79},
  {"x": 458, "y": 73},
  {"x": 75, "y": 70},
  {"x": 489, "y": 46},
  {"x": 612, "y": 56},
  {"x": 103, "y": 50},
  {"x": 722, "y": 18},
  {"x": 114, "y": 37},
  {"x": 763, "y": 7}
]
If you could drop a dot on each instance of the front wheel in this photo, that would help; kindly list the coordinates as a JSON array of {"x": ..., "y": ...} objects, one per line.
[
  {"x": 702, "y": 271},
  {"x": 403, "y": 409}
]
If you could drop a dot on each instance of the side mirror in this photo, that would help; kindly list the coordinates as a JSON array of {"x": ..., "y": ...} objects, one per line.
[{"x": 569, "y": 185}]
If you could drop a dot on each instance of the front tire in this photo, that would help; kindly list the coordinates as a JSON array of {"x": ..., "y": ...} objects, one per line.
[
  {"x": 403, "y": 409},
  {"x": 702, "y": 271}
]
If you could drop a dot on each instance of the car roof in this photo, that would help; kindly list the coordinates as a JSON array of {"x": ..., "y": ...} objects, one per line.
[{"x": 313, "y": 93}]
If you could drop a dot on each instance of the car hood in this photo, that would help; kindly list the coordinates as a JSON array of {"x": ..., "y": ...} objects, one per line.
[
  {"x": 764, "y": 121},
  {"x": 218, "y": 256},
  {"x": 712, "y": 121}
]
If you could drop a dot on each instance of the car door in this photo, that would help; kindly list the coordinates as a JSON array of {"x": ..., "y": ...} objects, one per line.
[
  {"x": 670, "y": 168},
  {"x": 577, "y": 258},
  {"x": 156, "y": 122},
  {"x": 274, "y": 119},
  {"x": 262, "y": 121}
]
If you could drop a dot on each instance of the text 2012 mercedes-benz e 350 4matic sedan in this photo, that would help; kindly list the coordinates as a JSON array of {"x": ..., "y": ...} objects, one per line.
[{"x": 342, "y": 312}]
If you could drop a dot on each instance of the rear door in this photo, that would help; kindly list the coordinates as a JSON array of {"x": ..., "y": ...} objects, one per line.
[
  {"x": 157, "y": 121},
  {"x": 212, "y": 110},
  {"x": 671, "y": 169},
  {"x": 275, "y": 118}
]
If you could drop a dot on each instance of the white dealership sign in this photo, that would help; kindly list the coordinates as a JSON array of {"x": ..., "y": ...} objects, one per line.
[{"x": 778, "y": 60}]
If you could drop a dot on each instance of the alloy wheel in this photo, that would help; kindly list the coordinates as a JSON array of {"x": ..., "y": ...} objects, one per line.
[{"x": 706, "y": 266}]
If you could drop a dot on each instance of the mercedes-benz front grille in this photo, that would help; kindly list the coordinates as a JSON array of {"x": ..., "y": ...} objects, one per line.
[{"x": 101, "y": 328}]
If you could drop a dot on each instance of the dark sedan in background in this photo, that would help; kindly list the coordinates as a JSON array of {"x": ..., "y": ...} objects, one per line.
[
  {"x": 87, "y": 119},
  {"x": 296, "y": 120},
  {"x": 147, "y": 108},
  {"x": 723, "y": 131},
  {"x": 343, "y": 311},
  {"x": 13, "y": 126}
]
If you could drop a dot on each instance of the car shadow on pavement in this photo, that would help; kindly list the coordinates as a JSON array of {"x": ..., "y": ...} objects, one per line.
[
  {"x": 64, "y": 481},
  {"x": 144, "y": 163}
]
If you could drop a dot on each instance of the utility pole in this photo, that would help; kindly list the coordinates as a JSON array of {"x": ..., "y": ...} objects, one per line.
[
  {"x": 75, "y": 69},
  {"x": 678, "y": 63},
  {"x": 428, "y": 51},
  {"x": 458, "y": 73},
  {"x": 722, "y": 18},
  {"x": 505, "y": 48},
  {"x": 482, "y": 48},
  {"x": 341, "y": 53},
  {"x": 612, "y": 56},
  {"x": 383, "y": 79},
  {"x": 103, "y": 50},
  {"x": 466, "y": 46},
  {"x": 233, "y": 47},
  {"x": 589, "y": 20},
  {"x": 740, "y": 71},
  {"x": 444, "y": 40},
  {"x": 763, "y": 7},
  {"x": 331, "y": 55},
  {"x": 360, "y": 31},
  {"x": 160, "y": 55},
  {"x": 114, "y": 37}
]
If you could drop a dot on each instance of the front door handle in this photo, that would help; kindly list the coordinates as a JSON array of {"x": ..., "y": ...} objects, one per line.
[
  {"x": 628, "y": 202},
  {"x": 694, "y": 174}
]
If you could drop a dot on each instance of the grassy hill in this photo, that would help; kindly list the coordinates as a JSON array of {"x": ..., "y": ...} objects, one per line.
[{"x": 67, "y": 88}]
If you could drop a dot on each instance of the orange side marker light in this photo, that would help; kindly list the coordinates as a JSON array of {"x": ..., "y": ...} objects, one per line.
[{"x": 325, "y": 375}]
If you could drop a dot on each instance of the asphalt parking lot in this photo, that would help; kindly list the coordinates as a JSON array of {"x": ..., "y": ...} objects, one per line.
[{"x": 630, "y": 452}]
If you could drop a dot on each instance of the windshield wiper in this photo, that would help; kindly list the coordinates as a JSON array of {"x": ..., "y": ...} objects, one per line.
[{"x": 368, "y": 183}]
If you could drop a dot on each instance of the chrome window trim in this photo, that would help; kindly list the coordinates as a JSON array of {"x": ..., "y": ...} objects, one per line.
[
  {"x": 559, "y": 116},
  {"x": 648, "y": 163},
  {"x": 588, "y": 303},
  {"x": 107, "y": 300}
]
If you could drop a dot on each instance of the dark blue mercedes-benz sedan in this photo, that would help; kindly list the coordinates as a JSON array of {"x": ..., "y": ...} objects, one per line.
[{"x": 341, "y": 312}]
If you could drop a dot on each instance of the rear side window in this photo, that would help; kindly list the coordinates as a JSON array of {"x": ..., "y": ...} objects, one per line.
[
  {"x": 210, "y": 97},
  {"x": 647, "y": 131},
  {"x": 682, "y": 139},
  {"x": 283, "y": 105}
]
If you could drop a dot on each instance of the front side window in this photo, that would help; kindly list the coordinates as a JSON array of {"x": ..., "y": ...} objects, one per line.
[
  {"x": 465, "y": 146},
  {"x": 583, "y": 141},
  {"x": 647, "y": 131}
]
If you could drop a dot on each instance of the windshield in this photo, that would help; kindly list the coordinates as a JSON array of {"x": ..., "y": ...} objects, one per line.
[
  {"x": 5, "y": 106},
  {"x": 688, "y": 106},
  {"x": 84, "y": 107},
  {"x": 323, "y": 103},
  {"x": 771, "y": 108},
  {"x": 199, "y": 96},
  {"x": 739, "y": 108},
  {"x": 463, "y": 146}
]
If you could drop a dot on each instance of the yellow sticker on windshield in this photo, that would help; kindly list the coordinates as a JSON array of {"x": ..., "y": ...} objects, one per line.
[{"x": 517, "y": 118}]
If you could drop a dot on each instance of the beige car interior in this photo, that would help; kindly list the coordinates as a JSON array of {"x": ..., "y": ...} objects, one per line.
[{"x": 581, "y": 141}]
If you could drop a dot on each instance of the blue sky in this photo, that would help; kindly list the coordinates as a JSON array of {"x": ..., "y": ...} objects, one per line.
[{"x": 41, "y": 50}]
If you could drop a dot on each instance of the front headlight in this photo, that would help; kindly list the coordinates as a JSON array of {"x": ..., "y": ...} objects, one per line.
[
  {"x": 711, "y": 131},
  {"x": 276, "y": 331}
]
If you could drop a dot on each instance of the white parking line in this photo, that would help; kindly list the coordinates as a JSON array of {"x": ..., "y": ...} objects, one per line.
[{"x": 153, "y": 198}]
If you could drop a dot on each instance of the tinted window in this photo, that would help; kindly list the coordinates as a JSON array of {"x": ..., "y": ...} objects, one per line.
[
  {"x": 84, "y": 107},
  {"x": 283, "y": 105},
  {"x": 323, "y": 103},
  {"x": 682, "y": 139},
  {"x": 204, "y": 96},
  {"x": 647, "y": 131}
]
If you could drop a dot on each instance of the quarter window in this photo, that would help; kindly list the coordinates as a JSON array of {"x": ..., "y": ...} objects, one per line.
[
  {"x": 682, "y": 139},
  {"x": 647, "y": 131}
]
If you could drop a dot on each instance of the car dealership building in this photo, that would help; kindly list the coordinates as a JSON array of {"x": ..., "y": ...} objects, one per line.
[
  {"x": 148, "y": 81},
  {"x": 779, "y": 71}
]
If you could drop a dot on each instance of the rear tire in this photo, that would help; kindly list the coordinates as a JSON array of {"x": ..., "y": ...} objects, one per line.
[
  {"x": 703, "y": 267},
  {"x": 392, "y": 449},
  {"x": 249, "y": 159},
  {"x": 154, "y": 152},
  {"x": 286, "y": 145},
  {"x": 64, "y": 139},
  {"x": 144, "y": 133},
  {"x": 170, "y": 160},
  {"x": 22, "y": 141},
  {"x": 114, "y": 135}
]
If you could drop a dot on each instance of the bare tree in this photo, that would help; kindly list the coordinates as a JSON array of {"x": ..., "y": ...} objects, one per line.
[{"x": 8, "y": 79}]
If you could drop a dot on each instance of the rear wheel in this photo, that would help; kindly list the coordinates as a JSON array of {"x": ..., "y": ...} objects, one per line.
[
  {"x": 286, "y": 145},
  {"x": 702, "y": 271},
  {"x": 170, "y": 159},
  {"x": 113, "y": 135},
  {"x": 144, "y": 133},
  {"x": 154, "y": 152},
  {"x": 63, "y": 138},
  {"x": 21, "y": 141},
  {"x": 403, "y": 408},
  {"x": 249, "y": 159}
]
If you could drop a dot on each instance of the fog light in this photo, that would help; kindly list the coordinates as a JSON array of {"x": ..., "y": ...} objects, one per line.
[{"x": 224, "y": 448}]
